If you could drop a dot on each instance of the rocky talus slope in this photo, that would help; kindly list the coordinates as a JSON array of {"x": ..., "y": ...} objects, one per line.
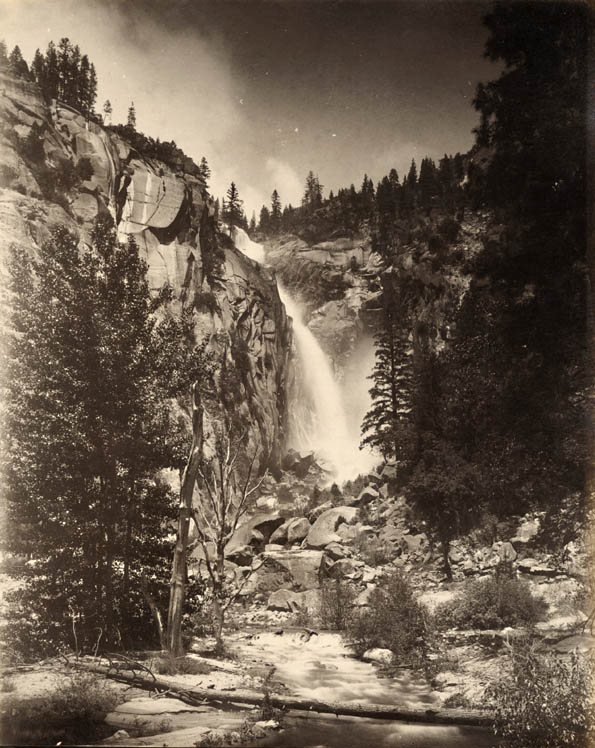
[{"x": 58, "y": 168}]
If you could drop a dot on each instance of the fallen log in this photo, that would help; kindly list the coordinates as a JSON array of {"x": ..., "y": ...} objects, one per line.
[{"x": 376, "y": 711}]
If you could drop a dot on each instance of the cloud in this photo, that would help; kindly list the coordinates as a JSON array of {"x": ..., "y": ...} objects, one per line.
[
  {"x": 182, "y": 85},
  {"x": 283, "y": 178}
]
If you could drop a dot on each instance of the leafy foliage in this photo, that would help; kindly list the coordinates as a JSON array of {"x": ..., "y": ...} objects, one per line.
[
  {"x": 91, "y": 374},
  {"x": 491, "y": 603},
  {"x": 336, "y": 599},
  {"x": 393, "y": 620},
  {"x": 545, "y": 700}
]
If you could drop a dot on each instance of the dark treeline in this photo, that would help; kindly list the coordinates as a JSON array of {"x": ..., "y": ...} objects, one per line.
[
  {"x": 61, "y": 73},
  {"x": 385, "y": 210},
  {"x": 485, "y": 414},
  {"x": 486, "y": 417}
]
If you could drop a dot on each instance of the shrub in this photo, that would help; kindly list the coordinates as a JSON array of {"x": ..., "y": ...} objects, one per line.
[
  {"x": 206, "y": 300},
  {"x": 436, "y": 244},
  {"x": 336, "y": 600},
  {"x": 544, "y": 701},
  {"x": 169, "y": 665},
  {"x": 84, "y": 169},
  {"x": 494, "y": 602},
  {"x": 394, "y": 620},
  {"x": 73, "y": 713},
  {"x": 372, "y": 551},
  {"x": 449, "y": 229}
]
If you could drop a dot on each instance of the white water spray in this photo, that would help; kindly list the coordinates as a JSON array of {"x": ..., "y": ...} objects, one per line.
[{"x": 326, "y": 430}]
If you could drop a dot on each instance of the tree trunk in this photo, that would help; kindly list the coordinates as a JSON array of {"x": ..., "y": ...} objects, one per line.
[
  {"x": 447, "y": 569},
  {"x": 157, "y": 617},
  {"x": 177, "y": 587},
  {"x": 196, "y": 696}
]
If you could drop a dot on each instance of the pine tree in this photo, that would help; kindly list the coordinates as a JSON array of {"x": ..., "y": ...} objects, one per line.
[
  {"x": 3, "y": 55},
  {"x": 204, "y": 170},
  {"x": 38, "y": 69},
  {"x": 17, "y": 64},
  {"x": 233, "y": 214},
  {"x": 427, "y": 185},
  {"x": 312, "y": 199},
  {"x": 64, "y": 68},
  {"x": 276, "y": 213},
  {"x": 264, "y": 223},
  {"x": 131, "y": 119},
  {"x": 91, "y": 92},
  {"x": 252, "y": 227},
  {"x": 387, "y": 425},
  {"x": 52, "y": 74},
  {"x": 91, "y": 376},
  {"x": 412, "y": 175}
]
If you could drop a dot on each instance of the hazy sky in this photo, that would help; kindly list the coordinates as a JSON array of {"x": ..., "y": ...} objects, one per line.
[{"x": 269, "y": 90}]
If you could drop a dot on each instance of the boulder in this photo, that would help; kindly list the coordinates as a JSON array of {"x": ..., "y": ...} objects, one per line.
[
  {"x": 283, "y": 600},
  {"x": 389, "y": 472},
  {"x": 369, "y": 574},
  {"x": 414, "y": 544},
  {"x": 255, "y": 532},
  {"x": 374, "y": 477},
  {"x": 379, "y": 655},
  {"x": 533, "y": 566},
  {"x": 323, "y": 531},
  {"x": 383, "y": 490},
  {"x": 302, "y": 568},
  {"x": 297, "y": 529},
  {"x": 345, "y": 568},
  {"x": 242, "y": 556},
  {"x": 280, "y": 534},
  {"x": 351, "y": 532},
  {"x": 367, "y": 494},
  {"x": 302, "y": 466},
  {"x": 363, "y": 599},
  {"x": 291, "y": 458},
  {"x": 313, "y": 514},
  {"x": 267, "y": 503},
  {"x": 335, "y": 551}
]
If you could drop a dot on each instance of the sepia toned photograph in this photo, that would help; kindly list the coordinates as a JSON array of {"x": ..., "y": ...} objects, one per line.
[{"x": 297, "y": 356}]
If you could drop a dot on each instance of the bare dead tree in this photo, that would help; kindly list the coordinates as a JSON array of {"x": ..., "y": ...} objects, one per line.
[
  {"x": 228, "y": 485},
  {"x": 177, "y": 589}
]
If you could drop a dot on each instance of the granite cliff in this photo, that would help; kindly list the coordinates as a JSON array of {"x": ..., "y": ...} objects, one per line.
[{"x": 56, "y": 167}]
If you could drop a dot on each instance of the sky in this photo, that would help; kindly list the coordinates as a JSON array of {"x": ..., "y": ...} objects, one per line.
[{"x": 268, "y": 91}]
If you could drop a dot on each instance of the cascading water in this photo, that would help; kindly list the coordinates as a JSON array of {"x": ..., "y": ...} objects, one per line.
[{"x": 319, "y": 421}]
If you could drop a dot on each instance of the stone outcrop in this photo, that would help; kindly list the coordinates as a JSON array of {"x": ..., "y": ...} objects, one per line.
[{"x": 167, "y": 208}]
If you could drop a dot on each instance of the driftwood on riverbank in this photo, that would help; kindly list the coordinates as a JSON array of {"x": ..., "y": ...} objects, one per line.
[{"x": 145, "y": 679}]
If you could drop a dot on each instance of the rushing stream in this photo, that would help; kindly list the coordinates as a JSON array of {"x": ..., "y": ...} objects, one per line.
[{"x": 321, "y": 667}]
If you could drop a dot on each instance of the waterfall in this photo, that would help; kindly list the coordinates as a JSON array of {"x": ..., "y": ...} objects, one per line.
[
  {"x": 319, "y": 415},
  {"x": 251, "y": 249}
]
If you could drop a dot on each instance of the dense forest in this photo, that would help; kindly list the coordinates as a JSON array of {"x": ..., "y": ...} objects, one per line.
[{"x": 491, "y": 421}]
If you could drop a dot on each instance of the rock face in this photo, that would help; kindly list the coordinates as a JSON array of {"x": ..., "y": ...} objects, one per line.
[{"x": 168, "y": 210}]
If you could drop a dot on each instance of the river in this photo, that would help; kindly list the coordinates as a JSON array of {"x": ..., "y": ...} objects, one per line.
[{"x": 320, "y": 666}]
